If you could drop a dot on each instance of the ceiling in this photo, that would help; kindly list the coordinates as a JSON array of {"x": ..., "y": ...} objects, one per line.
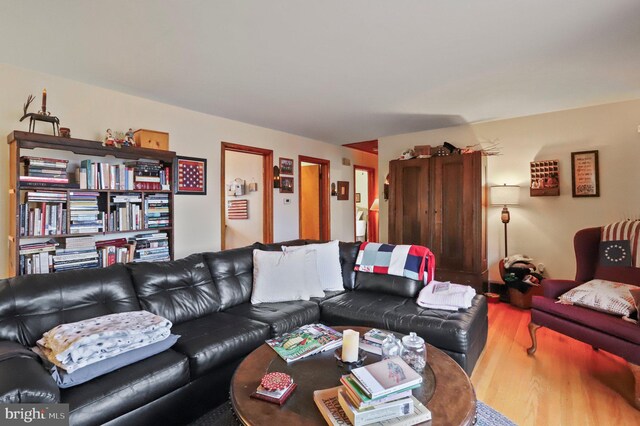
[{"x": 334, "y": 70}]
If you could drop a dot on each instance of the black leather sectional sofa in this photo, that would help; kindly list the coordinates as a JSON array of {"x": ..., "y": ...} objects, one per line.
[{"x": 206, "y": 296}]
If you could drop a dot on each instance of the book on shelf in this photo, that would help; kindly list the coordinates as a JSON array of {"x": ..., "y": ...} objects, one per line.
[
  {"x": 305, "y": 341},
  {"x": 76, "y": 253},
  {"x": 329, "y": 406},
  {"x": 150, "y": 247},
  {"x": 42, "y": 214},
  {"x": 35, "y": 258},
  {"x": 44, "y": 162},
  {"x": 385, "y": 377},
  {"x": 380, "y": 412}
]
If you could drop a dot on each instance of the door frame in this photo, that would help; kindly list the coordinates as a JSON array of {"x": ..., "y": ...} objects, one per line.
[
  {"x": 267, "y": 184},
  {"x": 372, "y": 228},
  {"x": 325, "y": 213}
]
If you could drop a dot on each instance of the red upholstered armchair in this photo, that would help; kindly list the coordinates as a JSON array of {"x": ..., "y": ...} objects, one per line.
[{"x": 600, "y": 330}]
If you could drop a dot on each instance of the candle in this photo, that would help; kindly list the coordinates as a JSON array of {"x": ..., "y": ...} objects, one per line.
[
  {"x": 350, "y": 341},
  {"x": 44, "y": 100}
]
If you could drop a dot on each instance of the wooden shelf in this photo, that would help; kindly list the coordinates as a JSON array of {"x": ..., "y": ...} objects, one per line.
[{"x": 21, "y": 143}]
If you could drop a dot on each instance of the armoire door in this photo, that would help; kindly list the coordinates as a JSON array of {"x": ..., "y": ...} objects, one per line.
[{"x": 409, "y": 200}]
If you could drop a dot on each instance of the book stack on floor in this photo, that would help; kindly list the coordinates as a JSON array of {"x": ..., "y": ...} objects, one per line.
[
  {"x": 85, "y": 215},
  {"x": 156, "y": 211},
  {"x": 151, "y": 247},
  {"x": 305, "y": 341},
  {"x": 40, "y": 171},
  {"x": 36, "y": 258},
  {"x": 76, "y": 253},
  {"x": 117, "y": 250},
  {"x": 379, "y": 393},
  {"x": 43, "y": 213}
]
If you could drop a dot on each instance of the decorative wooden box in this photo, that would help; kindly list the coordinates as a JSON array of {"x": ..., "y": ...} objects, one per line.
[{"x": 153, "y": 139}]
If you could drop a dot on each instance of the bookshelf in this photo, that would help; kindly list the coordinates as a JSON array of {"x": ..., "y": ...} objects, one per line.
[{"x": 45, "y": 216}]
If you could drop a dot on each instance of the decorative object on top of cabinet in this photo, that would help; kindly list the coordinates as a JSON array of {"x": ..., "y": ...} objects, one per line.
[
  {"x": 190, "y": 175},
  {"x": 584, "y": 174},
  {"x": 153, "y": 139},
  {"x": 129, "y": 138},
  {"x": 110, "y": 140},
  {"x": 544, "y": 178},
  {"x": 42, "y": 115},
  {"x": 286, "y": 184},
  {"x": 407, "y": 154},
  {"x": 422, "y": 151},
  {"x": 343, "y": 190},
  {"x": 65, "y": 132},
  {"x": 440, "y": 203},
  {"x": 286, "y": 166}
]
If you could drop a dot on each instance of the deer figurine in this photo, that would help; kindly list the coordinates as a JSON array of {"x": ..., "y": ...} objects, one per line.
[{"x": 33, "y": 117}]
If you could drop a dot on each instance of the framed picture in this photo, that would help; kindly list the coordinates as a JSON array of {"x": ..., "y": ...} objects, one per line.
[
  {"x": 584, "y": 174},
  {"x": 190, "y": 176},
  {"x": 286, "y": 166},
  {"x": 357, "y": 197},
  {"x": 343, "y": 190},
  {"x": 286, "y": 184},
  {"x": 545, "y": 178}
]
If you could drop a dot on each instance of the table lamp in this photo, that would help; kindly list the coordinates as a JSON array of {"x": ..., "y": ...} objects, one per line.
[{"x": 505, "y": 195}]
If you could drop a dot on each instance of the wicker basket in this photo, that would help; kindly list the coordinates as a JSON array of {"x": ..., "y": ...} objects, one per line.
[{"x": 523, "y": 300}]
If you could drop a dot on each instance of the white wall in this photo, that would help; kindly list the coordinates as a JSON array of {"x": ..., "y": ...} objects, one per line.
[
  {"x": 248, "y": 167},
  {"x": 89, "y": 110},
  {"x": 543, "y": 227}
]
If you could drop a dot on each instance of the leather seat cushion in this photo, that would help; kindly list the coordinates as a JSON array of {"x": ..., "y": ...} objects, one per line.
[
  {"x": 232, "y": 272},
  {"x": 327, "y": 295},
  {"x": 114, "y": 394},
  {"x": 282, "y": 317},
  {"x": 452, "y": 331},
  {"x": 605, "y": 323},
  {"x": 217, "y": 338}
]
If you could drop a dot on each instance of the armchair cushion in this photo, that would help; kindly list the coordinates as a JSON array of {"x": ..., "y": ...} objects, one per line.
[{"x": 601, "y": 295}]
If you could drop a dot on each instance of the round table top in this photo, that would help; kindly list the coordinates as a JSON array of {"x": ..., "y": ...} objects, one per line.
[{"x": 446, "y": 390}]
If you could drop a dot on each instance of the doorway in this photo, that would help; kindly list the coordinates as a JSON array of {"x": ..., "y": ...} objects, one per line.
[
  {"x": 365, "y": 206},
  {"x": 314, "y": 216},
  {"x": 246, "y": 195}
]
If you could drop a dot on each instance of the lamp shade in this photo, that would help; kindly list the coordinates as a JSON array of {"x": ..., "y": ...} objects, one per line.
[
  {"x": 503, "y": 195},
  {"x": 375, "y": 206}
]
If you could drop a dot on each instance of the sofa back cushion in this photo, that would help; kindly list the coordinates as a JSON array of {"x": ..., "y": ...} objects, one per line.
[
  {"x": 232, "y": 272},
  {"x": 33, "y": 304},
  {"x": 348, "y": 256},
  {"x": 388, "y": 284},
  {"x": 179, "y": 290},
  {"x": 278, "y": 246}
]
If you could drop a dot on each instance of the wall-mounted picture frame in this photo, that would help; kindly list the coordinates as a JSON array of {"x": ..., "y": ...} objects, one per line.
[
  {"x": 343, "y": 190},
  {"x": 357, "y": 197},
  {"x": 585, "y": 180},
  {"x": 545, "y": 178},
  {"x": 286, "y": 185},
  {"x": 286, "y": 166},
  {"x": 190, "y": 175}
]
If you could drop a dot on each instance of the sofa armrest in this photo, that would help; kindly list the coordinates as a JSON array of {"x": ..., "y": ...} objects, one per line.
[
  {"x": 22, "y": 377},
  {"x": 555, "y": 288}
]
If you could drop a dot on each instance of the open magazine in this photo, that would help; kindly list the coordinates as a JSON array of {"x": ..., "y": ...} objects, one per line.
[{"x": 304, "y": 341}]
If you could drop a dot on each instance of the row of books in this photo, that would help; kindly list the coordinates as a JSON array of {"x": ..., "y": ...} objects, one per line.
[
  {"x": 156, "y": 211},
  {"x": 126, "y": 212},
  {"x": 142, "y": 174},
  {"x": 378, "y": 392},
  {"x": 85, "y": 215},
  {"x": 43, "y": 170},
  {"x": 40, "y": 219},
  {"x": 85, "y": 252}
]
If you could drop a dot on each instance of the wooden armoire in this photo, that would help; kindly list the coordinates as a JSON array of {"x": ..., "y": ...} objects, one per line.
[{"x": 440, "y": 203}]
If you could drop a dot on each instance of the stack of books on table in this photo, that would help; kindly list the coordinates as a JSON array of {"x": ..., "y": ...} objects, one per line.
[
  {"x": 305, "y": 341},
  {"x": 76, "y": 253},
  {"x": 372, "y": 341},
  {"x": 379, "y": 393}
]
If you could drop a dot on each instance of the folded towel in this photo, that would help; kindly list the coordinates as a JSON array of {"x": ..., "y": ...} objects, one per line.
[{"x": 446, "y": 296}]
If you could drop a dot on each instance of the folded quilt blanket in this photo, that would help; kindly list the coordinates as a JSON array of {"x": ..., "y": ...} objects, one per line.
[
  {"x": 446, "y": 296},
  {"x": 75, "y": 345},
  {"x": 409, "y": 261}
]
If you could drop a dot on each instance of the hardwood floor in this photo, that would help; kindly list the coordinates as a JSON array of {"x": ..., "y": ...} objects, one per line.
[{"x": 566, "y": 382}]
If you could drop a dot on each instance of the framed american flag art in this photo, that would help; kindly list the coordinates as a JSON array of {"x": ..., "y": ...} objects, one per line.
[{"x": 190, "y": 175}]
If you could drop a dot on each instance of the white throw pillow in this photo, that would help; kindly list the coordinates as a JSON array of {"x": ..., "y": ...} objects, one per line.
[
  {"x": 280, "y": 276},
  {"x": 328, "y": 263},
  {"x": 601, "y": 295}
]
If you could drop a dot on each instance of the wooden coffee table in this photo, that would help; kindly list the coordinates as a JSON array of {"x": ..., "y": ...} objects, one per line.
[{"x": 446, "y": 389}]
